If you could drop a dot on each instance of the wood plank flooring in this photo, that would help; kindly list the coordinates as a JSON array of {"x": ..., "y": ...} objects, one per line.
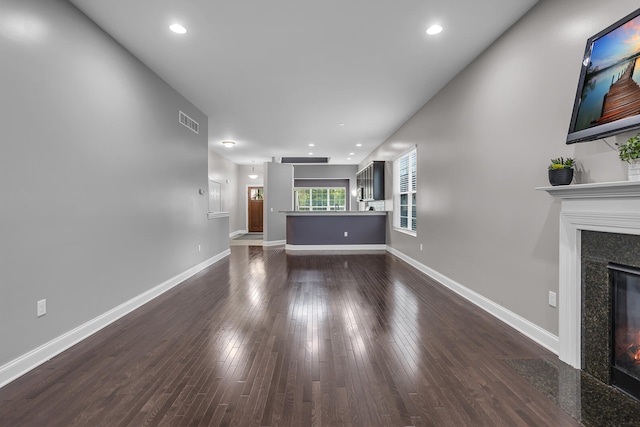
[{"x": 266, "y": 338}]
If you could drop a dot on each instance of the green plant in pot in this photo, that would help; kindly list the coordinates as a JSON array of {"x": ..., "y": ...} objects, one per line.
[
  {"x": 630, "y": 153},
  {"x": 561, "y": 171}
]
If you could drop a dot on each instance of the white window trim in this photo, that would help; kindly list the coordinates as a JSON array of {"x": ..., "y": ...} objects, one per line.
[{"x": 396, "y": 193}]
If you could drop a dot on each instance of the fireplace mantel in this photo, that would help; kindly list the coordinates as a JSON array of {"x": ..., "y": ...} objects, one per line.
[
  {"x": 610, "y": 207},
  {"x": 595, "y": 190}
]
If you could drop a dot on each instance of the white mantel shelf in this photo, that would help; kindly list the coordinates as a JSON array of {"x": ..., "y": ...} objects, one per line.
[{"x": 594, "y": 190}]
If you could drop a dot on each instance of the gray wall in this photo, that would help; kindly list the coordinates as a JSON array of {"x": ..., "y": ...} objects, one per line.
[
  {"x": 328, "y": 172},
  {"x": 225, "y": 172},
  {"x": 484, "y": 143},
  {"x": 278, "y": 197},
  {"x": 99, "y": 181}
]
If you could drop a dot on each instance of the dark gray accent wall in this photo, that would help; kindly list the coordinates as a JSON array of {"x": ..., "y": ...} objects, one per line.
[
  {"x": 330, "y": 229},
  {"x": 309, "y": 183},
  {"x": 99, "y": 182}
]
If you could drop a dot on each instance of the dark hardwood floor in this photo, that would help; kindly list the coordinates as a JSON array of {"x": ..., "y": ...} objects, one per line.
[{"x": 263, "y": 338}]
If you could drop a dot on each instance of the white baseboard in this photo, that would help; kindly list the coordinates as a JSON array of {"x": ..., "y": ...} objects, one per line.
[
  {"x": 336, "y": 247},
  {"x": 522, "y": 325},
  {"x": 237, "y": 232},
  {"x": 45, "y": 352},
  {"x": 273, "y": 242}
]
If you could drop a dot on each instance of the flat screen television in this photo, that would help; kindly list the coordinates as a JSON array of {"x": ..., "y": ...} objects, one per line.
[{"x": 608, "y": 96}]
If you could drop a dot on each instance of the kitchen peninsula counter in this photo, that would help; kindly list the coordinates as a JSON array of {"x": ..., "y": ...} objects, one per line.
[{"x": 336, "y": 230}]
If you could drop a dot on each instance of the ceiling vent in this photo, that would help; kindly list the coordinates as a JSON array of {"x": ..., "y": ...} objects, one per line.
[
  {"x": 188, "y": 122},
  {"x": 305, "y": 160}
]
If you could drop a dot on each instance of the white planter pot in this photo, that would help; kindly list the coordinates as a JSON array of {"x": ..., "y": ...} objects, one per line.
[{"x": 634, "y": 171}]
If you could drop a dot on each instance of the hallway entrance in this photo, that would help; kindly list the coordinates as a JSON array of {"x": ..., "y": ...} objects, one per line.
[{"x": 255, "y": 209}]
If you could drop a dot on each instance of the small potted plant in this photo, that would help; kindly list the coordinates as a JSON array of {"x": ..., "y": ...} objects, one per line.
[
  {"x": 630, "y": 153},
  {"x": 561, "y": 171}
]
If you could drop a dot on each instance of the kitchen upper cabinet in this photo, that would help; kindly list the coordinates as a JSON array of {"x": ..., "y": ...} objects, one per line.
[{"x": 370, "y": 182}]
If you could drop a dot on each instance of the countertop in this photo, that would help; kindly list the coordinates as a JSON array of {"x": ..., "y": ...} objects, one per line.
[{"x": 334, "y": 213}]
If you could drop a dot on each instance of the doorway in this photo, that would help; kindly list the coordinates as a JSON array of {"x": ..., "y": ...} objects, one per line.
[{"x": 255, "y": 206}]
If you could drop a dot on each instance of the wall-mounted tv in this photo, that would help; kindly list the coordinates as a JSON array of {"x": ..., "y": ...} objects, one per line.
[{"x": 608, "y": 96}]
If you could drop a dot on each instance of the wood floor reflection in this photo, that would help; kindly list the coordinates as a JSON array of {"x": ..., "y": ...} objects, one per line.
[{"x": 266, "y": 338}]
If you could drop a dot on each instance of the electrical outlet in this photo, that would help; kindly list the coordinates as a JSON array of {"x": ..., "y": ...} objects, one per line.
[
  {"x": 420, "y": 247},
  {"x": 41, "y": 308},
  {"x": 552, "y": 299},
  {"x": 346, "y": 234},
  {"x": 199, "y": 249}
]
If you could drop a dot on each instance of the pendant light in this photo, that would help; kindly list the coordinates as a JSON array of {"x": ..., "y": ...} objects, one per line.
[{"x": 253, "y": 174}]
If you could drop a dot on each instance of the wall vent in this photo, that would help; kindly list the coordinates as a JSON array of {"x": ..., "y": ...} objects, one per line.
[
  {"x": 305, "y": 160},
  {"x": 188, "y": 122}
]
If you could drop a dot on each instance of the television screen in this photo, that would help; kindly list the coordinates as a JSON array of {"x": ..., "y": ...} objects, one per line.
[{"x": 608, "y": 96}]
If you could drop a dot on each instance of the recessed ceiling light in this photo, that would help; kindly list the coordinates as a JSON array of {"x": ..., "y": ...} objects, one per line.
[
  {"x": 228, "y": 144},
  {"x": 312, "y": 145},
  {"x": 348, "y": 158},
  {"x": 434, "y": 29},
  {"x": 351, "y": 154},
  {"x": 340, "y": 124},
  {"x": 358, "y": 145},
  {"x": 311, "y": 154},
  {"x": 177, "y": 28}
]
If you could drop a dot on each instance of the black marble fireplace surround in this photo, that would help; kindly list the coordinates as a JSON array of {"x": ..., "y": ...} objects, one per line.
[{"x": 597, "y": 250}]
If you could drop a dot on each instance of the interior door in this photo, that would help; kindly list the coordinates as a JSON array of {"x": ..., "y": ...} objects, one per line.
[{"x": 255, "y": 201}]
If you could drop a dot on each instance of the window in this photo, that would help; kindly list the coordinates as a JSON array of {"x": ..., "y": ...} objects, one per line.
[
  {"x": 215, "y": 193},
  {"x": 320, "y": 199},
  {"x": 404, "y": 192},
  {"x": 256, "y": 193}
]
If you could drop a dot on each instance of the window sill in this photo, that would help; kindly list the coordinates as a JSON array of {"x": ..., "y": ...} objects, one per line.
[
  {"x": 403, "y": 231},
  {"x": 212, "y": 215}
]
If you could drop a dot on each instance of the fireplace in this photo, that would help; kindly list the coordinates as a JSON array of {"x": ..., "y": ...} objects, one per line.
[
  {"x": 625, "y": 328},
  {"x": 611, "y": 209}
]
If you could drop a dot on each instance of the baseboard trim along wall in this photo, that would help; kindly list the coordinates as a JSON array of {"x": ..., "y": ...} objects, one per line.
[
  {"x": 335, "y": 247},
  {"x": 520, "y": 324},
  {"x": 237, "y": 232},
  {"x": 40, "y": 355},
  {"x": 273, "y": 242}
]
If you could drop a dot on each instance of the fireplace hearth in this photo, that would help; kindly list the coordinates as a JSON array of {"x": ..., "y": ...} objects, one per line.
[{"x": 625, "y": 328}]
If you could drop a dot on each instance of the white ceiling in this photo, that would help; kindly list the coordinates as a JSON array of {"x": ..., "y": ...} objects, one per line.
[{"x": 275, "y": 76}]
